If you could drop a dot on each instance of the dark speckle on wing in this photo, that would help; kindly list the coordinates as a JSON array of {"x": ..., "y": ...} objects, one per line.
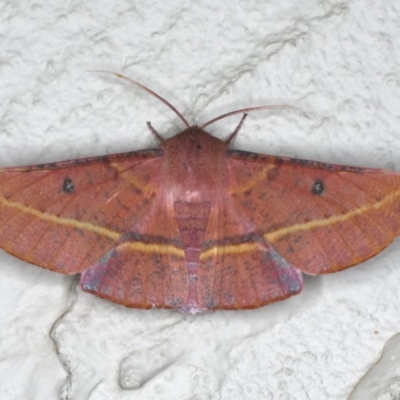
[{"x": 68, "y": 185}]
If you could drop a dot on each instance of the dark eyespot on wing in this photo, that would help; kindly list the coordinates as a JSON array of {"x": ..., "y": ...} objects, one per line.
[
  {"x": 318, "y": 187},
  {"x": 68, "y": 185}
]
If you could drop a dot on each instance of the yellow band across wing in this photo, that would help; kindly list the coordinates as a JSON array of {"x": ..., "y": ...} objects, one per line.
[
  {"x": 229, "y": 249},
  {"x": 154, "y": 248},
  {"x": 273, "y": 236},
  {"x": 318, "y": 223},
  {"x": 211, "y": 252},
  {"x": 87, "y": 226},
  {"x": 81, "y": 225}
]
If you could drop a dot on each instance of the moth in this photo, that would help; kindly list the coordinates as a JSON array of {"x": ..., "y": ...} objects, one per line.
[{"x": 194, "y": 225}]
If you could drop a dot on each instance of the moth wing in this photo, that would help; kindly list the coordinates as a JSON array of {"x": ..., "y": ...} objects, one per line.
[
  {"x": 320, "y": 217},
  {"x": 64, "y": 216},
  {"x": 147, "y": 267},
  {"x": 238, "y": 268}
]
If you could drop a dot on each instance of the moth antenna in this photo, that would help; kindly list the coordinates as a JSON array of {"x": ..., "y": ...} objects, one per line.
[
  {"x": 146, "y": 89},
  {"x": 246, "y": 110}
]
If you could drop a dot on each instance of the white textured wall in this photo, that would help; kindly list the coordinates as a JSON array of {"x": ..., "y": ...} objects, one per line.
[{"x": 337, "y": 59}]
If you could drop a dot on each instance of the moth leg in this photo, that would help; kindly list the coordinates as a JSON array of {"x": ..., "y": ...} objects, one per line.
[
  {"x": 236, "y": 131},
  {"x": 154, "y": 132}
]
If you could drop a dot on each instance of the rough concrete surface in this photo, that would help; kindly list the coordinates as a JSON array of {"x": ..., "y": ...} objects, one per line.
[{"x": 336, "y": 59}]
